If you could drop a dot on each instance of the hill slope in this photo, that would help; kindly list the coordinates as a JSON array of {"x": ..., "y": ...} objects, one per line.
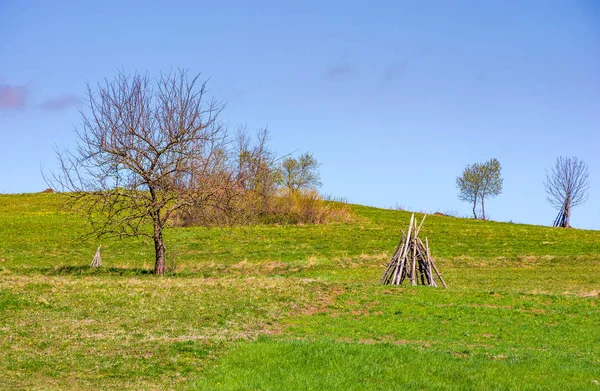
[{"x": 295, "y": 307}]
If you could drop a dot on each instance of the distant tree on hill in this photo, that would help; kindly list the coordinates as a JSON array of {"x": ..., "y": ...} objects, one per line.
[
  {"x": 468, "y": 186},
  {"x": 148, "y": 149},
  {"x": 300, "y": 173},
  {"x": 258, "y": 171},
  {"x": 478, "y": 182},
  {"x": 566, "y": 186}
]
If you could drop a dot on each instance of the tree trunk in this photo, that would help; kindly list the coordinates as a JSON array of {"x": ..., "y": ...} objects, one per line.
[
  {"x": 567, "y": 215},
  {"x": 475, "y": 208},
  {"x": 482, "y": 208},
  {"x": 160, "y": 267}
]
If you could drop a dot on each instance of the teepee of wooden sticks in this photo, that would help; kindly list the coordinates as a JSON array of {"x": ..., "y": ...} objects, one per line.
[
  {"x": 97, "y": 261},
  {"x": 412, "y": 260}
]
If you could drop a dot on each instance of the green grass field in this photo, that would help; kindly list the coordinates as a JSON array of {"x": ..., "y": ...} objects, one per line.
[{"x": 295, "y": 307}]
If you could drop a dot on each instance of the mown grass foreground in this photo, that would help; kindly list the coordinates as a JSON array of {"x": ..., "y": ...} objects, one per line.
[{"x": 295, "y": 307}]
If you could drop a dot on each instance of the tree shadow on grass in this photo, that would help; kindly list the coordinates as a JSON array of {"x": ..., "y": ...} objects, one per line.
[{"x": 70, "y": 270}]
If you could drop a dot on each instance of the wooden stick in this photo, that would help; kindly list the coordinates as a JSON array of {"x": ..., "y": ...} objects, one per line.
[
  {"x": 400, "y": 275},
  {"x": 438, "y": 274},
  {"x": 422, "y": 272},
  {"x": 387, "y": 275},
  {"x": 406, "y": 243},
  {"x": 420, "y": 225},
  {"x": 414, "y": 260},
  {"x": 429, "y": 263},
  {"x": 390, "y": 266}
]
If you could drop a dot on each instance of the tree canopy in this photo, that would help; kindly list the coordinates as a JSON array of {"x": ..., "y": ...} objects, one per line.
[{"x": 300, "y": 173}]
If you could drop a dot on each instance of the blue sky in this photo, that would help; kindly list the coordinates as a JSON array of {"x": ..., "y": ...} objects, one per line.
[{"x": 393, "y": 98}]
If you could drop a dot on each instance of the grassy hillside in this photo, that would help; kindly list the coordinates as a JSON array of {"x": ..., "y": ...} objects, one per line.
[{"x": 295, "y": 307}]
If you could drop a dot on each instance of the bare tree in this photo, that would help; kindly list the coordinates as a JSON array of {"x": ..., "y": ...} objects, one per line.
[
  {"x": 147, "y": 149},
  {"x": 300, "y": 173},
  {"x": 566, "y": 186},
  {"x": 478, "y": 182},
  {"x": 256, "y": 164}
]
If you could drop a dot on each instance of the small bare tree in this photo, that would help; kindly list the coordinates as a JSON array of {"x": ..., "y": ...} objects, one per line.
[
  {"x": 566, "y": 186},
  {"x": 256, "y": 164},
  {"x": 147, "y": 149},
  {"x": 300, "y": 173},
  {"x": 478, "y": 181}
]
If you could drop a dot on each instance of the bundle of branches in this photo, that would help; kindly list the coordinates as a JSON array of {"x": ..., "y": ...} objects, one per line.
[
  {"x": 562, "y": 220},
  {"x": 412, "y": 260},
  {"x": 97, "y": 261}
]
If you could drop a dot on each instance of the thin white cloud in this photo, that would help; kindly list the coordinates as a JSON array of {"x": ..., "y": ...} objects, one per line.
[
  {"x": 59, "y": 103},
  {"x": 338, "y": 71}
]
